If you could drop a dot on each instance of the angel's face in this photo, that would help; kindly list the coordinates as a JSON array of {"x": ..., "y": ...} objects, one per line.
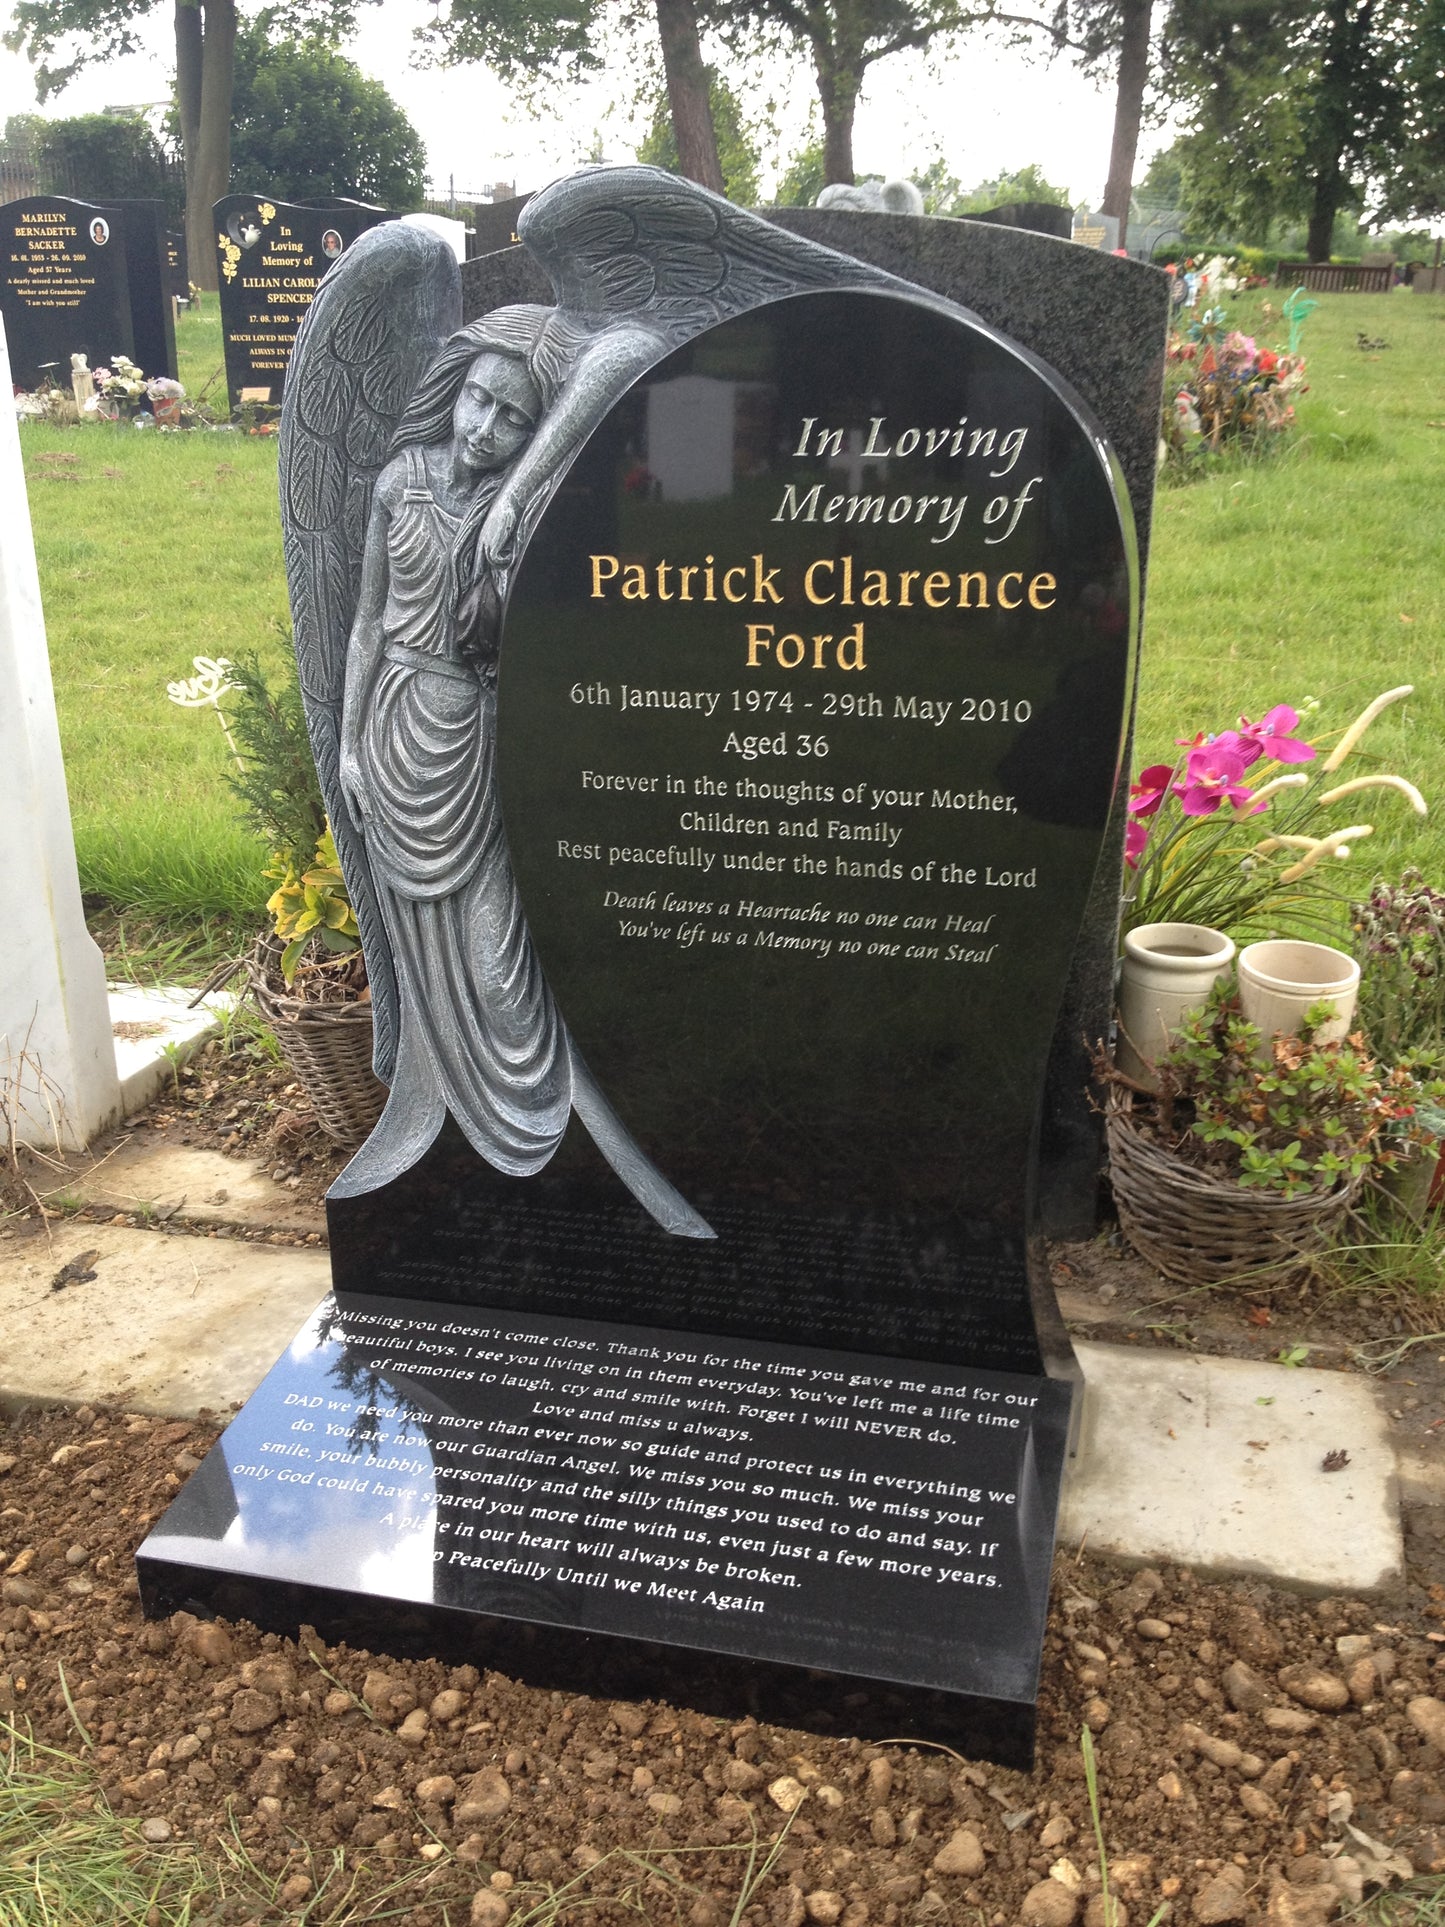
[{"x": 495, "y": 414}]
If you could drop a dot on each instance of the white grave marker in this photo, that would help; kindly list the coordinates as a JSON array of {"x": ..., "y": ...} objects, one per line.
[{"x": 58, "y": 1078}]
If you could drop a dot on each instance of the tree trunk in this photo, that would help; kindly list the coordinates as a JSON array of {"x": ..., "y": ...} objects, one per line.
[
  {"x": 687, "y": 93},
  {"x": 1134, "y": 20},
  {"x": 205, "y": 66},
  {"x": 1324, "y": 206},
  {"x": 838, "y": 93},
  {"x": 199, "y": 239}
]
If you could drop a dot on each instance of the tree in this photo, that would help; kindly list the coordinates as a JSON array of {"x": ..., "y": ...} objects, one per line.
[
  {"x": 1306, "y": 110},
  {"x": 306, "y": 122},
  {"x": 100, "y": 157},
  {"x": 1113, "y": 36},
  {"x": 844, "y": 38},
  {"x": 689, "y": 94},
  {"x": 1024, "y": 184},
  {"x": 803, "y": 179},
  {"x": 63, "y": 36},
  {"x": 737, "y": 150}
]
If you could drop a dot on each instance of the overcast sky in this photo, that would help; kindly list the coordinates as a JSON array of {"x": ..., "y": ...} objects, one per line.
[{"x": 985, "y": 109}]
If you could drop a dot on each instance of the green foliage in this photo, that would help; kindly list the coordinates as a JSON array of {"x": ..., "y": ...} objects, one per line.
[
  {"x": 104, "y": 157},
  {"x": 520, "y": 39},
  {"x": 737, "y": 145},
  {"x": 1006, "y": 189},
  {"x": 1291, "y": 1117},
  {"x": 277, "y": 784},
  {"x": 311, "y": 904},
  {"x": 1400, "y": 946},
  {"x": 64, "y": 37},
  {"x": 803, "y": 179},
  {"x": 1303, "y": 110},
  {"x": 1163, "y": 182},
  {"x": 305, "y": 122}
]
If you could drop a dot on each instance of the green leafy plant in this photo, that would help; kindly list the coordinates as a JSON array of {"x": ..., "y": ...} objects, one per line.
[
  {"x": 1400, "y": 946},
  {"x": 275, "y": 777},
  {"x": 1290, "y": 1117},
  {"x": 312, "y": 905}
]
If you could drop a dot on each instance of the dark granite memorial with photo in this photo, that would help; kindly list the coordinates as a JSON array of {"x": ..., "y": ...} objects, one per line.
[
  {"x": 271, "y": 257},
  {"x": 64, "y": 288},
  {"x": 87, "y": 278},
  {"x": 721, "y": 711}
]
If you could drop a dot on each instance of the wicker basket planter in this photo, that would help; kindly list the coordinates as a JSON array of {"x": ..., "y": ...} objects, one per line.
[
  {"x": 1202, "y": 1230},
  {"x": 328, "y": 1046}
]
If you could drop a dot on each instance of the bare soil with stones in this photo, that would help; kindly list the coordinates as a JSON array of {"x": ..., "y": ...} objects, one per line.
[{"x": 1262, "y": 1758}]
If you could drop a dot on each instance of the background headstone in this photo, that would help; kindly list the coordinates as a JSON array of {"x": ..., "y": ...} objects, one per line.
[
  {"x": 272, "y": 255},
  {"x": 178, "y": 271},
  {"x": 64, "y": 288},
  {"x": 140, "y": 226},
  {"x": 1039, "y": 217},
  {"x": 57, "y": 1054},
  {"x": 1092, "y": 230},
  {"x": 494, "y": 224}
]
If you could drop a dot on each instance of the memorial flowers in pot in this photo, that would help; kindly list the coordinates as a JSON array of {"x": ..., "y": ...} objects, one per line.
[
  {"x": 1245, "y": 826},
  {"x": 119, "y": 389},
  {"x": 306, "y": 972},
  {"x": 166, "y": 398},
  {"x": 1248, "y": 1154}
]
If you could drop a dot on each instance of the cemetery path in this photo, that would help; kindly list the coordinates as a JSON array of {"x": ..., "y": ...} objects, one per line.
[{"x": 1242, "y": 1731}]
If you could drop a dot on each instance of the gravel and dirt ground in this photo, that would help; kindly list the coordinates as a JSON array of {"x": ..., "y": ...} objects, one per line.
[{"x": 1261, "y": 1757}]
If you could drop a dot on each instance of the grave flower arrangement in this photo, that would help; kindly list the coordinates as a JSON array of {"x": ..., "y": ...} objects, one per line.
[
  {"x": 1223, "y": 389},
  {"x": 119, "y": 389},
  {"x": 1399, "y": 935},
  {"x": 1250, "y": 1153},
  {"x": 1245, "y": 824}
]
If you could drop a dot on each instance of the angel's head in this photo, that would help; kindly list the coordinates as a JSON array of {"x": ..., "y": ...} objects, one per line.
[
  {"x": 481, "y": 392},
  {"x": 495, "y": 413}
]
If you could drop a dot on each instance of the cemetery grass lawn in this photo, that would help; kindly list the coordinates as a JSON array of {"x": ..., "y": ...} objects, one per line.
[
  {"x": 154, "y": 549},
  {"x": 1317, "y": 571}
]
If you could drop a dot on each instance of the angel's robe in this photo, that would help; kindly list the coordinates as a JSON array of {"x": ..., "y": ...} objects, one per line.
[{"x": 473, "y": 996}]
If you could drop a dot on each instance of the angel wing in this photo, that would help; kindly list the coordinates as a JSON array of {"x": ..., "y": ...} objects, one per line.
[
  {"x": 635, "y": 243},
  {"x": 641, "y": 262},
  {"x": 378, "y": 318}
]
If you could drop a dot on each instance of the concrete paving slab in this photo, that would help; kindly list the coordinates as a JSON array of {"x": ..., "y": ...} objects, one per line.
[
  {"x": 166, "y": 1325},
  {"x": 1213, "y": 1463},
  {"x": 1217, "y": 1464},
  {"x": 153, "y": 1029},
  {"x": 183, "y": 1182}
]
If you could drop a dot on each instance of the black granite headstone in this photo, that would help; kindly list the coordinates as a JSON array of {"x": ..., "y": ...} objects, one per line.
[
  {"x": 271, "y": 256},
  {"x": 814, "y": 677},
  {"x": 494, "y": 224},
  {"x": 63, "y": 287},
  {"x": 141, "y": 226},
  {"x": 178, "y": 271}
]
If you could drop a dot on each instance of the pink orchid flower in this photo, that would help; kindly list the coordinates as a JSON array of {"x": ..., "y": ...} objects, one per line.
[
  {"x": 1271, "y": 736},
  {"x": 1136, "y": 836},
  {"x": 1149, "y": 792},
  {"x": 1211, "y": 777}
]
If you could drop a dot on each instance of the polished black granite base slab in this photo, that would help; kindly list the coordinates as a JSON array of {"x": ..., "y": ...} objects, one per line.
[{"x": 824, "y": 1538}]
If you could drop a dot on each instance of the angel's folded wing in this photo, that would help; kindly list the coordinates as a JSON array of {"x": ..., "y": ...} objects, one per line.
[{"x": 376, "y": 322}]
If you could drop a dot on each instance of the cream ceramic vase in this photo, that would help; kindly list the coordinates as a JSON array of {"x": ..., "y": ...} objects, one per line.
[
  {"x": 1280, "y": 979},
  {"x": 1168, "y": 968}
]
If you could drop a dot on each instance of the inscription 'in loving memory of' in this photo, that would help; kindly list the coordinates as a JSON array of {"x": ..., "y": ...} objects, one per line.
[{"x": 650, "y": 1470}]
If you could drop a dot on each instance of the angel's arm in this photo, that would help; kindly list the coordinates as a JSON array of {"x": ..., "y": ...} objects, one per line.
[
  {"x": 604, "y": 372},
  {"x": 367, "y": 638}
]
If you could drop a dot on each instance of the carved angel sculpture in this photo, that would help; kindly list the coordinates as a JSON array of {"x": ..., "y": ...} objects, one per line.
[{"x": 416, "y": 458}]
